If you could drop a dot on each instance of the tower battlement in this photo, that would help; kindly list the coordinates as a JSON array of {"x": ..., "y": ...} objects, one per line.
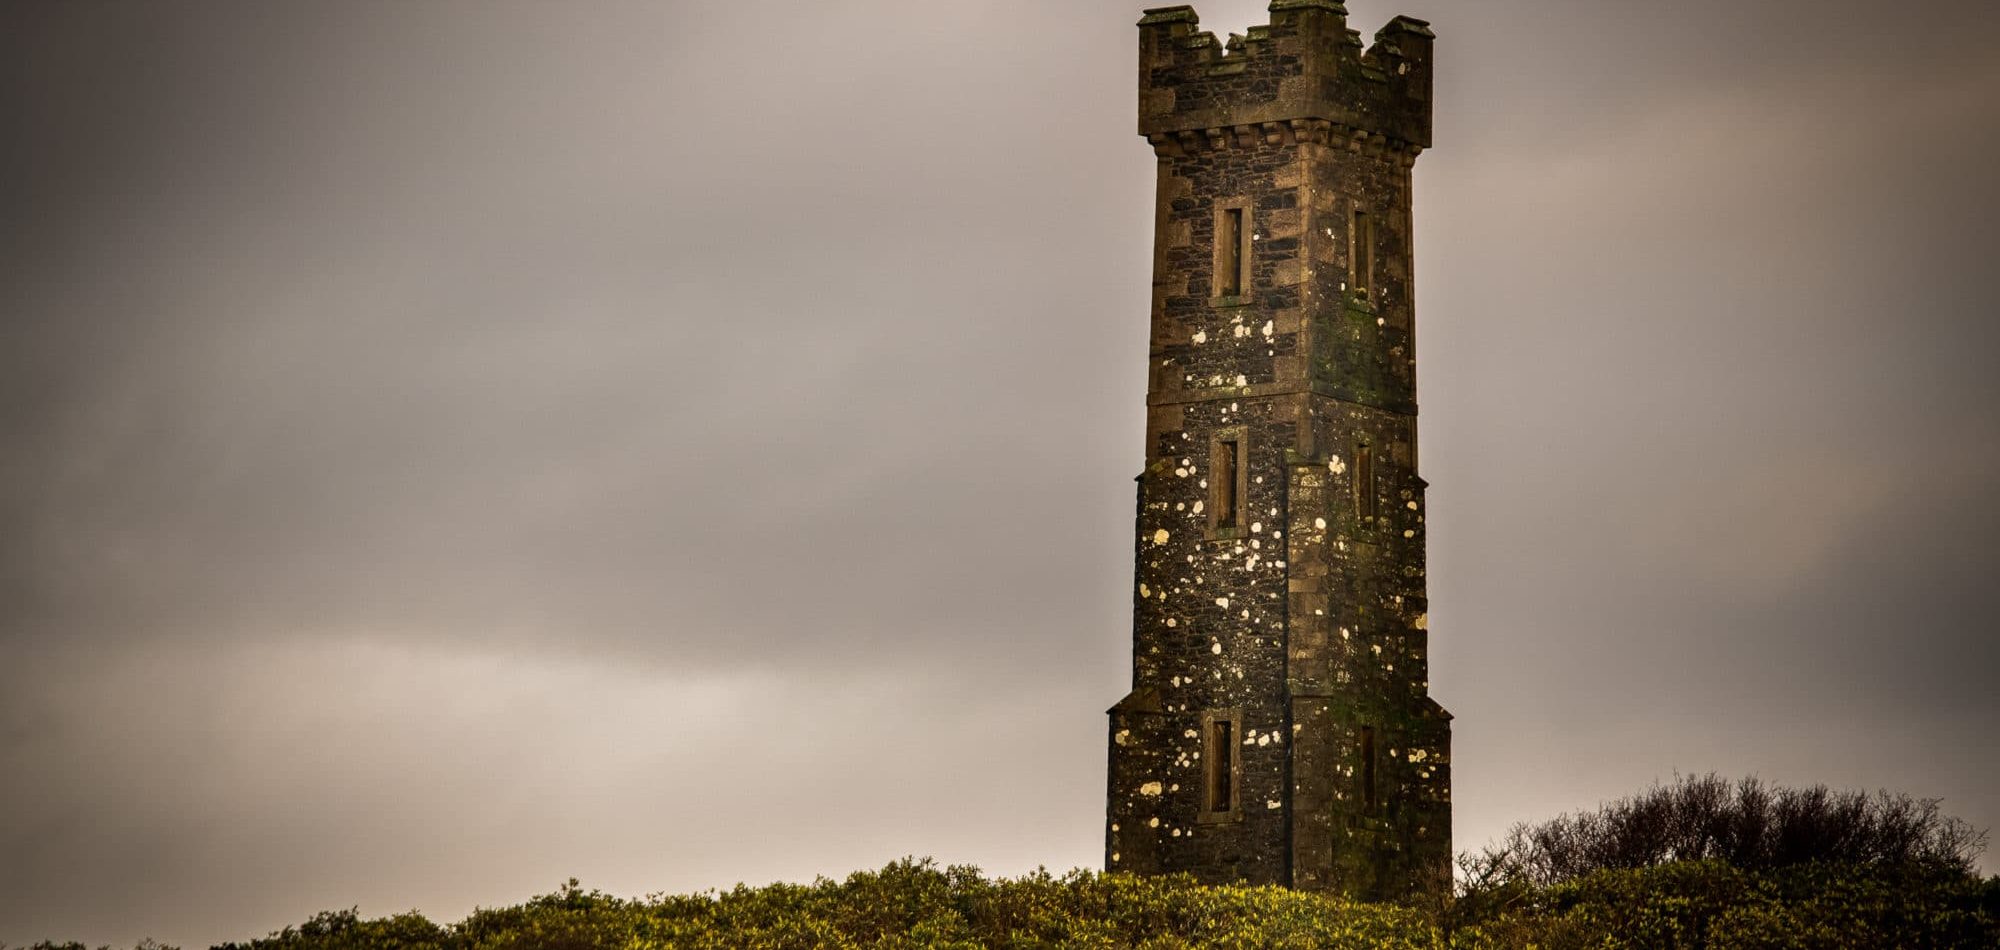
[{"x": 1304, "y": 74}]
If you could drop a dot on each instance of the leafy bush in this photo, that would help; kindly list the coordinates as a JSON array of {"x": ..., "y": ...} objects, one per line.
[
  {"x": 1704, "y": 862},
  {"x": 1709, "y": 904},
  {"x": 345, "y": 930},
  {"x": 1745, "y": 824},
  {"x": 907, "y": 905},
  {"x": 914, "y": 904}
]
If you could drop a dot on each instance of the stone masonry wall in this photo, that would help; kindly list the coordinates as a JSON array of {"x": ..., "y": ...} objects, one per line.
[{"x": 1302, "y": 620}]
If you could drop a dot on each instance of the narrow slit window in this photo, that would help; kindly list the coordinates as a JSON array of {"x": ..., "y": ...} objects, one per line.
[
  {"x": 1364, "y": 483},
  {"x": 1368, "y": 766},
  {"x": 1230, "y": 261},
  {"x": 1223, "y": 479},
  {"x": 1221, "y": 756},
  {"x": 1364, "y": 252}
]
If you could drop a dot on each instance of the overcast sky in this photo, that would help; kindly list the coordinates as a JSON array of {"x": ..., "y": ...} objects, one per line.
[{"x": 455, "y": 446}]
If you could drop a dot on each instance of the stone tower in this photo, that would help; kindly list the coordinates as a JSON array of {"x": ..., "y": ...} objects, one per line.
[{"x": 1280, "y": 728}]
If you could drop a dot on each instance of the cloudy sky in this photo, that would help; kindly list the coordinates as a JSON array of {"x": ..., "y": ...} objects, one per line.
[{"x": 454, "y": 446}]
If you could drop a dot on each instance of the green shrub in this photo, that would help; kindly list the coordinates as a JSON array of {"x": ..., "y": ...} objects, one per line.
[
  {"x": 346, "y": 930},
  {"x": 1712, "y": 905},
  {"x": 915, "y": 905},
  {"x": 912, "y": 904},
  {"x": 1745, "y": 824},
  {"x": 909, "y": 905}
]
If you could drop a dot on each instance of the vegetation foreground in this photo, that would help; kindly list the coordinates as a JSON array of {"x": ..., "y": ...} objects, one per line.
[
  {"x": 915, "y": 904},
  {"x": 1701, "y": 863}
]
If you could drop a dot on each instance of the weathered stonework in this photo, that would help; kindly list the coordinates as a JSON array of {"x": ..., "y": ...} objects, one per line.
[{"x": 1291, "y": 625}]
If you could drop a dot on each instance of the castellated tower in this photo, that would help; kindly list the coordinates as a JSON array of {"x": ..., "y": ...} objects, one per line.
[{"x": 1280, "y": 728}]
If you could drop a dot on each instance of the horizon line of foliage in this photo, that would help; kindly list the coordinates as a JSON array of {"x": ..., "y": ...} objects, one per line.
[
  {"x": 910, "y": 904},
  {"x": 1700, "y": 863},
  {"x": 915, "y": 904}
]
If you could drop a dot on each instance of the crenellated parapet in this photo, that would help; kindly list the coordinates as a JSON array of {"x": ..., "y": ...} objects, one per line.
[{"x": 1303, "y": 76}]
